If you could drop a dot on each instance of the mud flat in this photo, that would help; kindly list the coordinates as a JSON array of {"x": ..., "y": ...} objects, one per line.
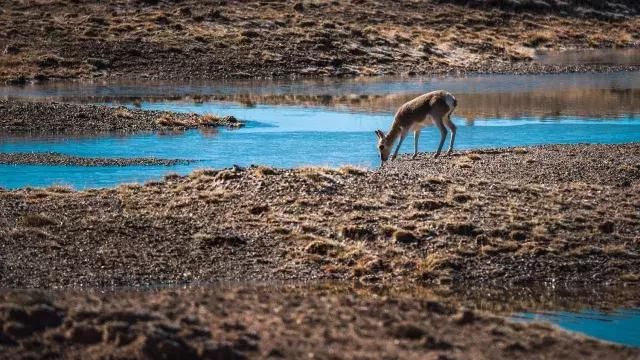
[
  {"x": 563, "y": 213},
  {"x": 21, "y": 117},
  {"x": 238, "y": 322},
  {"x": 51, "y": 158},
  {"x": 228, "y": 39}
]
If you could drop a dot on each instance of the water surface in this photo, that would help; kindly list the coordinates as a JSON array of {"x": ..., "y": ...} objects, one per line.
[
  {"x": 325, "y": 122},
  {"x": 620, "y": 326}
]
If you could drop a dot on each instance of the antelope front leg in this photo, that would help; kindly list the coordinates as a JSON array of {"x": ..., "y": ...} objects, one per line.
[
  {"x": 451, "y": 127},
  {"x": 395, "y": 154},
  {"x": 443, "y": 136},
  {"x": 416, "y": 136}
]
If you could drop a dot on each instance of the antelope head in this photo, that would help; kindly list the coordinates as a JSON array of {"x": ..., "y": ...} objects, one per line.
[{"x": 383, "y": 146}]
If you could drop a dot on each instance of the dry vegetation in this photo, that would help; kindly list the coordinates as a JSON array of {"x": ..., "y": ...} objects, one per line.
[
  {"x": 519, "y": 215},
  {"x": 228, "y": 39}
]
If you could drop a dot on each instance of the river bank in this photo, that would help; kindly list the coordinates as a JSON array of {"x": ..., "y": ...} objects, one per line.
[
  {"x": 550, "y": 213},
  {"x": 224, "y": 39},
  {"x": 236, "y": 321}
]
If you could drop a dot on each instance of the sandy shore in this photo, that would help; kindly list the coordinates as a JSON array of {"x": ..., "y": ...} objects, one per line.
[
  {"x": 230, "y": 39},
  {"x": 48, "y": 118},
  {"x": 260, "y": 321},
  {"x": 561, "y": 213}
]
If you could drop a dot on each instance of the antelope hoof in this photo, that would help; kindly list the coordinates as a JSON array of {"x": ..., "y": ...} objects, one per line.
[
  {"x": 436, "y": 155},
  {"x": 414, "y": 156}
]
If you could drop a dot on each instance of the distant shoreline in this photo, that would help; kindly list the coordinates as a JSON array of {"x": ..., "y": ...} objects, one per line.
[{"x": 269, "y": 40}]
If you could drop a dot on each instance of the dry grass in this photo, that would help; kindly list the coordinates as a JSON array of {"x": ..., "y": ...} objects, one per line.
[
  {"x": 208, "y": 120},
  {"x": 538, "y": 38},
  {"x": 473, "y": 157},
  {"x": 170, "y": 121},
  {"x": 124, "y": 113},
  {"x": 352, "y": 170},
  {"x": 317, "y": 174},
  {"x": 320, "y": 246},
  {"x": 405, "y": 237},
  {"x": 60, "y": 189},
  {"x": 263, "y": 171},
  {"x": 630, "y": 277}
]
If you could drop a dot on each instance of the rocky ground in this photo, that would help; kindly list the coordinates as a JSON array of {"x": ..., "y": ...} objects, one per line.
[
  {"x": 263, "y": 321},
  {"x": 192, "y": 39},
  {"x": 22, "y": 117},
  {"x": 551, "y": 213},
  {"x": 51, "y": 158}
]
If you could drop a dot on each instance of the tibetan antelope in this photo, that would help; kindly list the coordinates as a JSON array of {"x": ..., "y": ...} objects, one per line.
[{"x": 434, "y": 107}]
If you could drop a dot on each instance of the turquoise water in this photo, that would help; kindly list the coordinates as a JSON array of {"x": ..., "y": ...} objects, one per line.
[
  {"x": 621, "y": 326},
  {"x": 284, "y": 136},
  {"x": 494, "y": 111}
]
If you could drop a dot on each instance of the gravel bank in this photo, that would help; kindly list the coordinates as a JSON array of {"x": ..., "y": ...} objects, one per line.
[
  {"x": 18, "y": 117},
  {"x": 52, "y": 158},
  {"x": 552, "y": 213}
]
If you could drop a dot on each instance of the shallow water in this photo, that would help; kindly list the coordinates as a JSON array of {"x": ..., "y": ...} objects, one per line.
[
  {"x": 620, "y": 326},
  {"x": 326, "y": 122}
]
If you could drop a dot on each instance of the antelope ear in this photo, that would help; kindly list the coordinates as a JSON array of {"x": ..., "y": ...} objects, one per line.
[{"x": 379, "y": 134}]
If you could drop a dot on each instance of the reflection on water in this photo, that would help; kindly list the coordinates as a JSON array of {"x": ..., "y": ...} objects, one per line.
[
  {"x": 480, "y": 96},
  {"x": 327, "y": 122},
  {"x": 591, "y": 57}
]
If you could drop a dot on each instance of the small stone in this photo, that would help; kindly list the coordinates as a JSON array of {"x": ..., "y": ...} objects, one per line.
[
  {"x": 405, "y": 237},
  {"x": 84, "y": 334},
  {"x": 607, "y": 227},
  {"x": 13, "y": 313},
  {"x": 464, "y": 317},
  {"x": 245, "y": 343},
  {"x": 118, "y": 332},
  {"x": 161, "y": 345},
  {"x": 408, "y": 331},
  {"x": 44, "y": 316},
  {"x": 432, "y": 343},
  {"x": 17, "y": 330}
]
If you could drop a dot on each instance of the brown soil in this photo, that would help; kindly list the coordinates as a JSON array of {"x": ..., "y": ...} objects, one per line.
[
  {"x": 237, "y": 39},
  {"x": 292, "y": 322},
  {"x": 21, "y": 117},
  {"x": 551, "y": 213}
]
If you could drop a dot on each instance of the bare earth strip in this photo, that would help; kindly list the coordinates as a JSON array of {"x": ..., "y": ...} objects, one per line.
[
  {"x": 552, "y": 213},
  {"x": 51, "y": 158}
]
